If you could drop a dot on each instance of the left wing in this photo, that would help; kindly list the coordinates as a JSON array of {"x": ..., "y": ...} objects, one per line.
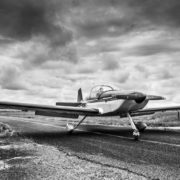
[
  {"x": 153, "y": 110},
  {"x": 58, "y": 111}
]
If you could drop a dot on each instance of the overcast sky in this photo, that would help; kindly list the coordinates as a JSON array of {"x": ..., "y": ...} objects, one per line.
[{"x": 50, "y": 48}]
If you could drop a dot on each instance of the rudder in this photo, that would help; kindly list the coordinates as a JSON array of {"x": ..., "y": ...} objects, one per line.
[{"x": 79, "y": 97}]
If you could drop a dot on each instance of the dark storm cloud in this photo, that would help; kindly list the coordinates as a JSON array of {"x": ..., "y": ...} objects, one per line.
[
  {"x": 6, "y": 41},
  {"x": 101, "y": 28},
  {"x": 21, "y": 19},
  {"x": 118, "y": 17},
  {"x": 39, "y": 23},
  {"x": 157, "y": 11},
  {"x": 160, "y": 12}
]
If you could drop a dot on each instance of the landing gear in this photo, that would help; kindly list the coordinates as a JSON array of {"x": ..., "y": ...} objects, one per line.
[
  {"x": 136, "y": 135},
  {"x": 141, "y": 126},
  {"x": 71, "y": 127},
  {"x": 136, "y": 132}
]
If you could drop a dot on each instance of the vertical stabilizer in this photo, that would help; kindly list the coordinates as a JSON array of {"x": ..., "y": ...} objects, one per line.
[{"x": 79, "y": 97}]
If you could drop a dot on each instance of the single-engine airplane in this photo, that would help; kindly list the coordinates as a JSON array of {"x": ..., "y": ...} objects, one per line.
[{"x": 103, "y": 100}]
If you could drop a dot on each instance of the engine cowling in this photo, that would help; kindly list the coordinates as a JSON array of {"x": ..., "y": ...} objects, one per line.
[
  {"x": 139, "y": 97},
  {"x": 140, "y": 100}
]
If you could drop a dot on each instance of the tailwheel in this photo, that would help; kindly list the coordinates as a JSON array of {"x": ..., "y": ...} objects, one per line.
[
  {"x": 71, "y": 127},
  {"x": 136, "y": 135}
]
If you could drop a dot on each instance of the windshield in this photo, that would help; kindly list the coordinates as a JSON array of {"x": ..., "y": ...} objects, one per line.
[{"x": 96, "y": 91}]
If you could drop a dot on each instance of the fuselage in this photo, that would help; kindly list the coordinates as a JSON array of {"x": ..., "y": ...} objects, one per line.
[
  {"x": 116, "y": 107},
  {"x": 112, "y": 102}
]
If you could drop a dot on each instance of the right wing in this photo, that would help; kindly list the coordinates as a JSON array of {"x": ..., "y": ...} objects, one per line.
[
  {"x": 149, "y": 111},
  {"x": 58, "y": 111}
]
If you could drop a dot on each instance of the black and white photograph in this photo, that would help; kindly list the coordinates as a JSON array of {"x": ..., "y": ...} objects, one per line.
[{"x": 89, "y": 89}]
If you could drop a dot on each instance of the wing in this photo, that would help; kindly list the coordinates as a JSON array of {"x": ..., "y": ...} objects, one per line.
[
  {"x": 153, "y": 110},
  {"x": 46, "y": 110}
]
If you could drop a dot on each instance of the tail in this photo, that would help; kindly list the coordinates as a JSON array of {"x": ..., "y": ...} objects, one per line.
[{"x": 79, "y": 97}]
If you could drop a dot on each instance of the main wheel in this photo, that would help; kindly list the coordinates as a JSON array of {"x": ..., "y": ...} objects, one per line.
[
  {"x": 136, "y": 135},
  {"x": 141, "y": 126}
]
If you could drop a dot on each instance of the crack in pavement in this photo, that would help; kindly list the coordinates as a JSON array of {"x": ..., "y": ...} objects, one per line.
[{"x": 102, "y": 164}]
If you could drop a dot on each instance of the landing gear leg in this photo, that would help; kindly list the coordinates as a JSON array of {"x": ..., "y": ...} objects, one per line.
[
  {"x": 136, "y": 132},
  {"x": 71, "y": 128}
]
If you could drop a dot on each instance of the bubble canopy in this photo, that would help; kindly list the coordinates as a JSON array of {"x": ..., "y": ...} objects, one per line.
[{"x": 96, "y": 91}]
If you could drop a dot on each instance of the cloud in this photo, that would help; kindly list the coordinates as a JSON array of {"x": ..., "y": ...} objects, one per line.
[
  {"x": 123, "y": 78},
  {"x": 148, "y": 49},
  {"x": 37, "y": 52},
  {"x": 36, "y": 29},
  {"x": 10, "y": 78},
  {"x": 116, "y": 18},
  {"x": 97, "y": 29},
  {"x": 109, "y": 62},
  {"x": 166, "y": 13},
  {"x": 23, "y": 19},
  {"x": 55, "y": 47}
]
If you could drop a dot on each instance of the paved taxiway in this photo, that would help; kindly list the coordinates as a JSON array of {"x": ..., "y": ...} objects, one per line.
[{"x": 156, "y": 155}]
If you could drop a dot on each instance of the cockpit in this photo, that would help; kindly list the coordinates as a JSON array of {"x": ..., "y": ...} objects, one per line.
[{"x": 96, "y": 91}]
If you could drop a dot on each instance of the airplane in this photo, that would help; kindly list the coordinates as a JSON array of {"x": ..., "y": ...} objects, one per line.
[{"x": 104, "y": 100}]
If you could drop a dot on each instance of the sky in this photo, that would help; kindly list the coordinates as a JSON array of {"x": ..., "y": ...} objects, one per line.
[{"x": 49, "y": 49}]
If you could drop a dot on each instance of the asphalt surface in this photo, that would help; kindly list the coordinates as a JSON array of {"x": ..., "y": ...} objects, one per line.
[{"x": 155, "y": 156}]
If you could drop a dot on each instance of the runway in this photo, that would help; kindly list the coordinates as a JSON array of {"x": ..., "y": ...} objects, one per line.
[{"x": 156, "y": 155}]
